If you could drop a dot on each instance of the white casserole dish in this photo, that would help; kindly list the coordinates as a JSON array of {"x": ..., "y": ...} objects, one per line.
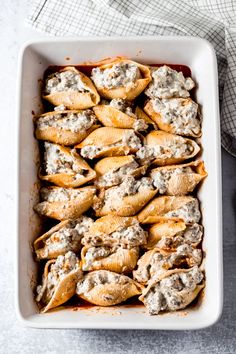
[{"x": 199, "y": 55}]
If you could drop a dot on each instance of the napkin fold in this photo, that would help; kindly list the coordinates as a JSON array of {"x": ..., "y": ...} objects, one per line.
[{"x": 214, "y": 20}]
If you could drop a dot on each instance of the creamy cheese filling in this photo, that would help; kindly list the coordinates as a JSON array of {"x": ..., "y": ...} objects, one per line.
[
  {"x": 129, "y": 236},
  {"x": 161, "y": 178},
  {"x": 117, "y": 175},
  {"x": 192, "y": 235},
  {"x": 65, "y": 81},
  {"x": 60, "y": 194},
  {"x": 120, "y": 74},
  {"x": 100, "y": 277},
  {"x": 56, "y": 161},
  {"x": 161, "y": 262},
  {"x": 167, "y": 294},
  {"x": 182, "y": 116},
  {"x": 75, "y": 122},
  {"x": 58, "y": 270},
  {"x": 68, "y": 238},
  {"x": 129, "y": 139},
  {"x": 177, "y": 148},
  {"x": 168, "y": 83},
  {"x": 189, "y": 212}
]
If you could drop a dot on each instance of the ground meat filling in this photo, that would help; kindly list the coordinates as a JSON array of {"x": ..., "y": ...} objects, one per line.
[
  {"x": 58, "y": 270},
  {"x": 65, "y": 81},
  {"x": 192, "y": 235},
  {"x": 180, "y": 114},
  {"x": 129, "y": 139},
  {"x": 59, "y": 194},
  {"x": 56, "y": 161},
  {"x": 189, "y": 212},
  {"x": 68, "y": 238},
  {"x": 161, "y": 178},
  {"x": 177, "y": 148},
  {"x": 168, "y": 83},
  {"x": 117, "y": 175},
  {"x": 75, "y": 122},
  {"x": 168, "y": 294},
  {"x": 120, "y": 74},
  {"x": 160, "y": 262},
  {"x": 129, "y": 237}
]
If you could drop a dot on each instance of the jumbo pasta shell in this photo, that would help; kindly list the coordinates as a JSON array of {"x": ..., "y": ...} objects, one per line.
[
  {"x": 67, "y": 209},
  {"x": 107, "y": 288},
  {"x": 165, "y": 140},
  {"x": 101, "y": 232},
  {"x": 172, "y": 128},
  {"x": 110, "y": 164},
  {"x": 120, "y": 260},
  {"x": 113, "y": 117},
  {"x": 157, "y": 262},
  {"x": 180, "y": 183},
  {"x": 126, "y": 206},
  {"x": 75, "y": 99},
  {"x": 64, "y": 290},
  {"x": 129, "y": 92},
  {"x": 106, "y": 138},
  {"x": 72, "y": 178},
  {"x": 41, "y": 249},
  {"x": 166, "y": 207},
  {"x": 187, "y": 296},
  {"x": 57, "y": 134}
]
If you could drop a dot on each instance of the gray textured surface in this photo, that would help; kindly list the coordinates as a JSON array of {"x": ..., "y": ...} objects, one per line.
[{"x": 14, "y": 338}]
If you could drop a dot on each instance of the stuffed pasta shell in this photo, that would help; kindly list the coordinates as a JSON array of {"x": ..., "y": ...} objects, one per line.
[
  {"x": 65, "y": 203},
  {"x": 64, "y": 167},
  {"x": 162, "y": 149},
  {"x": 122, "y": 78},
  {"x": 59, "y": 281},
  {"x": 71, "y": 88},
  {"x": 173, "y": 290},
  {"x": 65, "y": 127},
  {"x": 105, "y": 288},
  {"x": 109, "y": 141},
  {"x": 183, "y": 208}
]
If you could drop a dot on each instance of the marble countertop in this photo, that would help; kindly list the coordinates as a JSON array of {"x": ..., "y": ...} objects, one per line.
[{"x": 14, "y": 337}]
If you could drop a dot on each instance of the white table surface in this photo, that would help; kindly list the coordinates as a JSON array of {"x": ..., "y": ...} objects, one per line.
[{"x": 14, "y": 337}]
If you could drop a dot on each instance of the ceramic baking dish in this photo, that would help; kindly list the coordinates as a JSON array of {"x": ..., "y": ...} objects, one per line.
[{"x": 199, "y": 55}]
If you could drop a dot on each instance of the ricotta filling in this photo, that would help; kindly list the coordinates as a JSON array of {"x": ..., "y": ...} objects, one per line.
[
  {"x": 192, "y": 235},
  {"x": 182, "y": 116},
  {"x": 58, "y": 270},
  {"x": 120, "y": 74},
  {"x": 161, "y": 178},
  {"x": 189, "y": 212},
  {"x": 161, "y": 262},
  {"x": 167, "y": 294},
  {"x": 74, "y": 122},
  {"x": 65, "y": 81},
  {"x": 60, "y": 194},
  {"x": 117, "y": 175},
  {"x": 176, "y": 148},
  {"x": 168, "y": 83},
  {"x": 56, "y": 161},
  {"x": 68, "y": 238},
  {"x": 129, "y": 139},
  {"x": 128, "y": 236}
]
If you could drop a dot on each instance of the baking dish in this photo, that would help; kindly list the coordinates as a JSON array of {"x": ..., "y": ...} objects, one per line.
[{"x": 35, "y": 57}]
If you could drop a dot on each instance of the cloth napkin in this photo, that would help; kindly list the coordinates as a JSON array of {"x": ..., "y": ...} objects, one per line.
[{"x": 214, "y": 20}]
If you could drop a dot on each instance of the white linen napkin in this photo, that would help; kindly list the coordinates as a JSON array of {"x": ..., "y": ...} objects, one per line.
[{"x": 214, "y": 20}]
